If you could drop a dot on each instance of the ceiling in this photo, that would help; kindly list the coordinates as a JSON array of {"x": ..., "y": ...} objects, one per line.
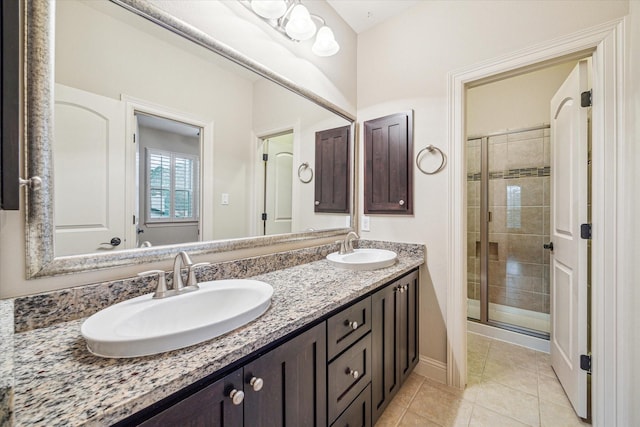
[{"x": 364, "y": 14}]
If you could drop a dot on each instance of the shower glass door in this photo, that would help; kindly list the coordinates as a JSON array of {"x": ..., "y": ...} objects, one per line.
[{"x": 508, "y": 224}]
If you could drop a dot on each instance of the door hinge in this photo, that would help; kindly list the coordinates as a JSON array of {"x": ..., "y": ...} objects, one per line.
[
  {"x": 134, "y": 138},
  {"x": 265, "y": 157},
  {"x": 585, "y": 99},
  {"x": 585, "y": 231},
  {"x": 134, "y": 220},
  {"x": 585, "y": 362},
  {"x": 264, "y": 216}
]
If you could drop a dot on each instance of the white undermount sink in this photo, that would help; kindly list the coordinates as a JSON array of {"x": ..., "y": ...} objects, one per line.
[
  {"x": 143, "y": 326},
  {"x": 363, "y": 259}
]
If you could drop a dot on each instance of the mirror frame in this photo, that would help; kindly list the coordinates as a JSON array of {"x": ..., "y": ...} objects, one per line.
[{"x": 39, "y": 101}]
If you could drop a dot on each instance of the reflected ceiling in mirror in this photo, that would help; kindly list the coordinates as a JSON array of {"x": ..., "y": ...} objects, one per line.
[{"x": 113, "y": 67}]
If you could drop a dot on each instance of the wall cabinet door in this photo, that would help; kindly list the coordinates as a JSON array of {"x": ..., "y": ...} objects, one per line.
[
  {"x": 332, "y": 171},
  {"x": 388, "y": 167},
  {"x": 394, "y": 330},
  {"x": 293, "y": 383},
  {"x": 211, "y": 406}
]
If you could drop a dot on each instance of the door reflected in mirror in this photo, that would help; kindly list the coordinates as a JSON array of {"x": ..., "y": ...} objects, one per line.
[{"x": 128, "y": 175}]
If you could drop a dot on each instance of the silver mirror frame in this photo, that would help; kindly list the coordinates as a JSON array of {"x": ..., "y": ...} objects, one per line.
[{"x": 39, "y": 101}]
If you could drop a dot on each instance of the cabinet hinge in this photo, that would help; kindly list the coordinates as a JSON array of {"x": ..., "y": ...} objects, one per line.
[
  {"x": 585, "y": 99},
  {"x": 585, "y": 362},
  {"x": 264, "y": 216},
  {"x": 585, "y": 231},
  {"x": 265, "y": 157}
]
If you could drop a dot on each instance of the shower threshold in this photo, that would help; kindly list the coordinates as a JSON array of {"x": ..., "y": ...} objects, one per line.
[{"x": 513, "y": 318}]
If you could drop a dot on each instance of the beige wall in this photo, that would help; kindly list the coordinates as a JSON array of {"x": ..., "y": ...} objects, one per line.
[{"x": 403, "y": 64}]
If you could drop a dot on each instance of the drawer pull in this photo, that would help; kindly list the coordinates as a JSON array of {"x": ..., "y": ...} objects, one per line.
[
  {"x": 351, "y": 372},
  {"x": 353, "y": 325},
  {"x": 256, "y": 383},
  {"x": 236, "y": 396}
]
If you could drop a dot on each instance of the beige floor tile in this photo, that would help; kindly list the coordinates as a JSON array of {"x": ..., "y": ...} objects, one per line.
[
  {"x": 519, "y": 379},
  {"x": 514, "y": 356},
  {"x": 408, "y": 390},
  {"x": 509, "y": 402},
  {"x": 475, "y": 363},
  {"x": 552, "y": 415},
  {"x": 391, "y": 415},
  {"x": 550, "y": 390},
  {"x": 483, "y": 417},
  {"x": 544, "y": 365},
  {"x": 440, "y": 407},
  {"x": 473, "y": 385},
  {"x": 410, "y": 419}
]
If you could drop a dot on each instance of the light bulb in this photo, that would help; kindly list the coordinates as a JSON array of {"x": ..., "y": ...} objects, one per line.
[
  {"x": 270, "y": 9},
  {"x": 325, "y": 44},
  {"x": 300, "y": 25}
]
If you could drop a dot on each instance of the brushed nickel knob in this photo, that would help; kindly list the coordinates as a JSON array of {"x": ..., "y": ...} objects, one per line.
[
  {"x": 256, "y": 383},
  {"x": 237, "y": 396},
  {"x": 353, "y": 325},
  {"x": 351, "y": 372},
  {"x": 317, "y": 203},
  {"x": 401, "y": 202}
]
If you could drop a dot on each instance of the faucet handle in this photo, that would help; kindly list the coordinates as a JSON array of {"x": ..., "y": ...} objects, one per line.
[
  {"x": 161, "y": 288},
  {"x": 191, "y": 279},
  {"x": 343, "y": 248}
]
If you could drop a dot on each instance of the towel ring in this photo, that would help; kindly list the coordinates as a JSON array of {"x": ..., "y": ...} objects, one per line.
[
  {"x": 431, "y": 149},
  {"x": 302, "y": 168}
]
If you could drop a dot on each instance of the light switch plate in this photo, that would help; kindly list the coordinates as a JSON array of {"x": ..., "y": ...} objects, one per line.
[
  {"x": 225, "y": 199},
  {"x": 364, "y": 223}
]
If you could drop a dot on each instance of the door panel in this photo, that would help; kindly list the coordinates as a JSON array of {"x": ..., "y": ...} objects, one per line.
[
  {"x": 569, "y": 255},
  {"x": 88, "y": 154},
  {"x": 278, "y": 187}
]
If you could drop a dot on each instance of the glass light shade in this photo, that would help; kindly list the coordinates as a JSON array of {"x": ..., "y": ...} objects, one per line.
[
  {"x": 326, "y": 44},
  {"x": 270, "y": 9},
  {"x": 300, "y": 25}
]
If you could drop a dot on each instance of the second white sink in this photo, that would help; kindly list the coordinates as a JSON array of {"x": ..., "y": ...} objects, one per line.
[
  {"x": 143, "y": 326},
  {"x": 363, "y": 259}
]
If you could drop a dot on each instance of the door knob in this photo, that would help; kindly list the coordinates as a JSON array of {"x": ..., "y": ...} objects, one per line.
[
  {"x": 548, "y": 246},
  {"x": 114, "y": 242}
]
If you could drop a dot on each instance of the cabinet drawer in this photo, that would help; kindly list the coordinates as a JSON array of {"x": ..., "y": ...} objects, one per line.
[
  {"x": 348, "y": 326},
  {"x": 358, "y": 414},
  {"x": 348, "y": 375}
]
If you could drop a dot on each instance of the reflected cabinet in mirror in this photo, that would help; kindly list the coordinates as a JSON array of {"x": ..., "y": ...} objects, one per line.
[{"x": 151, "y": 137}]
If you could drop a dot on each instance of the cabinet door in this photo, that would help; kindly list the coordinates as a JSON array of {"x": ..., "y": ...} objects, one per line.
[
  {"x": 408, "y": 323},
  {"x": 358, "y": 414},
  {"x": 210, "y": 407},
  {"x": 332, "y": 171},
  {"x": 293, "y": 383},
  {"x": 388, "y": 177},
  {"x": 384, "y": 355}
]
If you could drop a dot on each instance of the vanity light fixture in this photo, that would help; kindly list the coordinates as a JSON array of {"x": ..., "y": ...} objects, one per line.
[{"x": 292, "y": 19}]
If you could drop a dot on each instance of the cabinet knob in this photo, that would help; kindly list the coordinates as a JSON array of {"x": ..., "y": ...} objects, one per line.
[
  {"x": 237, "y": 396},
  {"x": 401, "y": 202},
  {"x": 256, "y": 383},
  {"x": 317, "y": 203},
  {"x": 351, "y": 372},
  {"x": 353, "y": 325}
]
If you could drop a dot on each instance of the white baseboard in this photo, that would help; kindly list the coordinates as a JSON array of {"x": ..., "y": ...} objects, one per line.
[
  {"x": 432, "y": 369},
  {"x": 509, "y": 336}
]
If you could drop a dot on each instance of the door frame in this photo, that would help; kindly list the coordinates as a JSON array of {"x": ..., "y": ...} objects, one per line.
[{"x": 606, "y": 43}]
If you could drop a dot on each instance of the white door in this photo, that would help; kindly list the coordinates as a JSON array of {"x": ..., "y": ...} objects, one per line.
[
  {"x": 568, "y": 260},
  {"x": 278, "y": 188},
  {"x": 89, "y": 162}
]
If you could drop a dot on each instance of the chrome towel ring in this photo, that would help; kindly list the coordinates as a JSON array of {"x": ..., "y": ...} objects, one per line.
[
  {"x": 301, "y": 169},
  {"x": 430, "y": 149}
]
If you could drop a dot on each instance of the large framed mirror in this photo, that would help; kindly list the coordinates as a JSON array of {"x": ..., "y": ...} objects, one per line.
[{"x": 151, "y": 137}]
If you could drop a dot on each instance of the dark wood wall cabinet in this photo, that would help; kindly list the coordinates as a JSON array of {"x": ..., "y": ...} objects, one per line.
[
  {"x": 388, "y": 165},
  {"x": 341, "y": 372},
  {"x": 332, "y": 171},
  {"x": 10, "y": 113}
]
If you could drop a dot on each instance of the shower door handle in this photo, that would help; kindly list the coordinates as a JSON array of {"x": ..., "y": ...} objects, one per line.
[{"x": 548, "y": 246}]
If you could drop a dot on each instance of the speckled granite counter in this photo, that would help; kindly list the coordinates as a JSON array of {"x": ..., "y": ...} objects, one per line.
[{"x": 57, "y": 382}]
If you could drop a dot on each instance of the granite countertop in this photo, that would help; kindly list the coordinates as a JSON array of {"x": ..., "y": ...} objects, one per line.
[{"x": 57, "y": 382}]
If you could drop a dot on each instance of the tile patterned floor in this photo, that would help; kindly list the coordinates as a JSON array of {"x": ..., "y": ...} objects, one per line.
[{"x": 508, "y": 385}]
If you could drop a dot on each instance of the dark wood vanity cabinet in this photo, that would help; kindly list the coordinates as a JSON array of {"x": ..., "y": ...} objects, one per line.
[
  {"x": 388, "y": 165},
  {"x": 293, "y": 383},
  {"x": 394, "y": 339},
  {"x": 342, "y": 372}
]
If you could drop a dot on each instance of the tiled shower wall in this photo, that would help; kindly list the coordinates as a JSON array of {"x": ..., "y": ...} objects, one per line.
[{"x": 519, "y": 167}]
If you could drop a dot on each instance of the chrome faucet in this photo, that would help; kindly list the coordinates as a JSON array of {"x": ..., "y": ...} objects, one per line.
[
  {"x": 182, "y": 259},
  {"x": 346, "y": 246}
]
